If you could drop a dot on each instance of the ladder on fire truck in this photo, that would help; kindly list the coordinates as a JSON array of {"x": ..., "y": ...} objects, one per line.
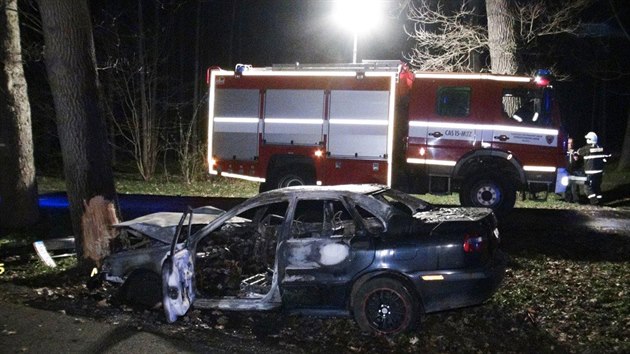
[{"x": 364, "y": 66}]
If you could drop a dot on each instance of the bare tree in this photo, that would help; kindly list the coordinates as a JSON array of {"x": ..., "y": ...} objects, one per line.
[
  {"x": 541, "y": 18},
  {"x": 18, "y": 187},
  {"x": 447, "y": 39},
  {"x": 134, "y": 77},
  {"x": 71, "y": 67},
  {"x": 190, "y": 154}
]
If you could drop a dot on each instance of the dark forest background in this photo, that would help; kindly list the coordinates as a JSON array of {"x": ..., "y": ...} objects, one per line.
[{"x": 182, "y": 39}]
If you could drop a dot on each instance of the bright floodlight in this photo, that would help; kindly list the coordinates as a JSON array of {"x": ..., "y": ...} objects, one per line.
[{"x": 358, "y": 16}]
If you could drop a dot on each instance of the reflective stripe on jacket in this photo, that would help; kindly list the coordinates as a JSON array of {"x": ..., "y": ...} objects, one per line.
[{"x": 594, "y": 158}]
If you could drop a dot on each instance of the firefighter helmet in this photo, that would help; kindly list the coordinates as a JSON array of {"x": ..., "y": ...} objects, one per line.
[{"x": 591, "y": 138}]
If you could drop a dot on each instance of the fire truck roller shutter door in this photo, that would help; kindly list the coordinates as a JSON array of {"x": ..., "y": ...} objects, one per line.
[
  {"x": 294, "y": 117},
  {"x": 236, "y": 124},
  {"x": 358, "y": 123}
]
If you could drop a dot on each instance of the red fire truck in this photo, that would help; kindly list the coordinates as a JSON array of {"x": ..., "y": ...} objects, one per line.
[{"x": 486, "y": 136}]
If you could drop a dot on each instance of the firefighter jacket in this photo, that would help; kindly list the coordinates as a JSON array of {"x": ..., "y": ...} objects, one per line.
[{"x": 594, "y": 158}]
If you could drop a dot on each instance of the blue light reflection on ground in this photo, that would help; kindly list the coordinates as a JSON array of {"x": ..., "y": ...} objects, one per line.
[
  {"x": 127, "y": 202},
  {"x": 53, "y": 200},
  {"x": 134, "y": 205}
]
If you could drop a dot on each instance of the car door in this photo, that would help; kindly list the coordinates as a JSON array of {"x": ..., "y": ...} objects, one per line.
[
  {"x": 324, "y": 250},
  {"x": 178, "y": 291}
]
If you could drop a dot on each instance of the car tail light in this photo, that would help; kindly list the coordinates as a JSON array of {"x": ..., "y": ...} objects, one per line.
[{"x": 474, "y": 244}]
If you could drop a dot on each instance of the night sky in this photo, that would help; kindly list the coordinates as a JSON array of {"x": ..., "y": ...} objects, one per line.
[{"x": 269, "y": 32}]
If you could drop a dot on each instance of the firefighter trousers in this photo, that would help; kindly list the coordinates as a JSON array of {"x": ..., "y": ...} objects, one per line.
[{"x": 592, "y": 188}]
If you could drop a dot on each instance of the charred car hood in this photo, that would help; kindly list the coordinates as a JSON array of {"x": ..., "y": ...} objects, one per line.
[
  {"x": 452, "y": 214},
  {"x": 161, "y": 226}
]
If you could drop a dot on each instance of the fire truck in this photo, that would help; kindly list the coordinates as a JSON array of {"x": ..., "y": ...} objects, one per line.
[{"x": 485, "y": 136}]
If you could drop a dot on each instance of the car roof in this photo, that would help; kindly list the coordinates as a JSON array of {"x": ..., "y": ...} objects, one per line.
[{"x": 342, "y": 188}]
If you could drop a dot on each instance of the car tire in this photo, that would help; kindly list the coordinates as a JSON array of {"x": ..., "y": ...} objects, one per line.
[
  {"x": 490, "y": 191},
  {"x": 385, "y": 306},
  {"x": 142, "y": 289}
]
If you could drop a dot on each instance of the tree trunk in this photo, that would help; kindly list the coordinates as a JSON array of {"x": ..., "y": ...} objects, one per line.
[
  {"x": 144, "y": 106},
  {"x": 71, "y": 66},
  {"x": 624, "y": 159},
  {"x": 18, "y": 187},
  {"x": 501, "y": 39}
]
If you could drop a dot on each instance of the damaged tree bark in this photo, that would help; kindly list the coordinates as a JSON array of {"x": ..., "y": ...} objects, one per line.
[
  {"x": 71, "y": 67},
  {"x": 99, "y": 216}
]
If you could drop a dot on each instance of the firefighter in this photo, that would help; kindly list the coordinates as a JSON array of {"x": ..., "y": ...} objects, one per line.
[
  {"x": 576, "y": 174},
  {"x": 593, "y": 159}
]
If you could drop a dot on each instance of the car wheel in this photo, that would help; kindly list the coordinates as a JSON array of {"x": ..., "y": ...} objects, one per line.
[
  {"x": 143, "y": 289},
  {"x": 385, "y": 306},
  {"x": 488, "y": 191}
]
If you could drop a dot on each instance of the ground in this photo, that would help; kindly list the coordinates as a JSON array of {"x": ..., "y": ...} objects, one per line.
[{"x": 566, "y": 290}]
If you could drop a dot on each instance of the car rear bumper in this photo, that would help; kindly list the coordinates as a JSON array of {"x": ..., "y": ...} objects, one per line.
[{"x": 449, "y": 289}]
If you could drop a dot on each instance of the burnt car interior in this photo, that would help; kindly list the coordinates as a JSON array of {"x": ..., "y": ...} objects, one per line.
[
  {"x": 130, "y": 239},
  {"x": 237, "y": 259},
  {"x": 321, "y": 218}
]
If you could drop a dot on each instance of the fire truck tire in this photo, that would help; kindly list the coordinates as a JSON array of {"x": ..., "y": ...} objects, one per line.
[
  {"x": 289, "y": 175},
  {"x": 491, "y": 191},
  {"x": 292, "y": 178}
]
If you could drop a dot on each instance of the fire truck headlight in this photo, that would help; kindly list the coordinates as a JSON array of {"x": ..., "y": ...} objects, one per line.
[
  {"x": 318, "y": 153},
  {"x": 562, "y": 180}
]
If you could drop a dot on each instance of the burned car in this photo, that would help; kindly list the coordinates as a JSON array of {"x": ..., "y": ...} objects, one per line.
[{"x": 367, "y": 251}]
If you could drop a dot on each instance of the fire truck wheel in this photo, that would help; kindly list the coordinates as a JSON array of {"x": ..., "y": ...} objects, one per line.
[
  {"x": 292, "y": 179},
  {"x": 294, "y": 176},
  {"x": 490, "y": 191}
]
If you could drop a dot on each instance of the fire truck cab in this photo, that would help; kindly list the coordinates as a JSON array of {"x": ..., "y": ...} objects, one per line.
[{"x": 485, "y": 136}]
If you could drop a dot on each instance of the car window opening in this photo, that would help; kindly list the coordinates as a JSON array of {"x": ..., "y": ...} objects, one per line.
[
  {"x": 527, "y": 107},
  {"x": 321, "y": 219},
  {"x": 238, "y": 258}
]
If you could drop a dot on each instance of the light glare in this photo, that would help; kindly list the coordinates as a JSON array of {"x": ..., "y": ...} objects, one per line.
[{"x": 358, "y": 15}]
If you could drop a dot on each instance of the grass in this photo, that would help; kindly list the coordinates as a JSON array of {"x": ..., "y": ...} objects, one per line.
[
  {"x": 615, "y": 183},
  {"x": 130, "y": 184}
]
